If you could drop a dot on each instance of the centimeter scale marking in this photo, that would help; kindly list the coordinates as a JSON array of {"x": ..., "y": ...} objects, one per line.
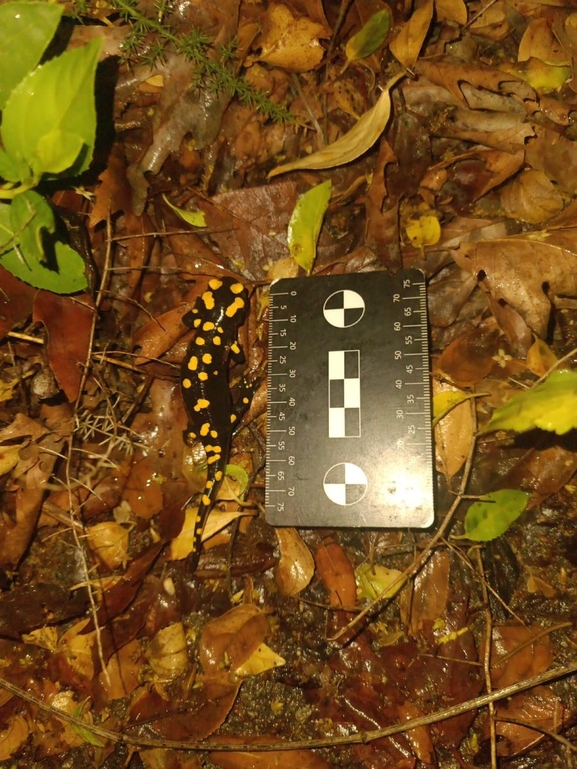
[{"x": 349, "y": 438}]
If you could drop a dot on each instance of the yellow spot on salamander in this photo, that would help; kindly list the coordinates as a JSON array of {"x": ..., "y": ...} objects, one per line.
[
  {"x": 217, "y": 340},
  {"x": 215, "y": 283},
  {"x": 208, "y": 325},
  {"x": 201, "y": 403},
  {"x": 233, "y": 418},
  {"x": 186, "y": 383},
  {"x": 233, "y": 308},
  {"x": 213, "y": 434},
  {"x": 235, "y": 348},
  {"x": 199, "y": 341},
  {"x": 246, "y": 401},
  {"x": 237, "y": 288},
  {"x": 210, "y": 460},
  {"x": 193, "y": 363},
  {"x": 209, "y": 484},
  {"x": 207, "y": 358},
  {"x": 204, "y": 429},
  {"x": 197, "y": 322},
  {"x": 217, "y": 449},
  {"x": 191, "y": 436},
  {"x": 218, "y": 475},
  {"x": 203, "y": 376},
  {"x": 205, "y": 499},
  {"x": 215, "y": 372},
  {"x": 220, "y": 329},
  {"x": 208, "y": 299}
]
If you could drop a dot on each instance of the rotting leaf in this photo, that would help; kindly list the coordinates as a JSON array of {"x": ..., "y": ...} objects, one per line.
[
  {"x": 305, "y": 224},
  {"x": 13, "y": 737},
  {"x": 167, "y": 652},
  {"x": 354, "y": 143},
  {"x": 491, "y": 515},
  {"x": 109, "y": 542},
  {"x": 262, "y": 659},
  {"x": 228, "y": 641},
  {"x": 551, "y": 405}
]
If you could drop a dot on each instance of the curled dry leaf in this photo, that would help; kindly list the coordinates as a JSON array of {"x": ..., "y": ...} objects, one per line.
[
  {"x": 408, "y": 43},
  {"x": 531, "y": 197},
  {"x": 262, "y": 659},
  {"x": 290, "y": 42},
  {"x": 353, "y": 144},
  {"x": 167, "y": 653},
  {"x": 540, "y": 358},
  {"x": 109, "y": 542},
  {"x": 296, "y": 565}
]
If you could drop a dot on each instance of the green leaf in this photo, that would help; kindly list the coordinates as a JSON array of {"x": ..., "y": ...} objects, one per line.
[
  {"x": 551, "y": 405},
  {"x": 305, "y": 224},
  {"x": 25, "y": 31},
  {"x": 31, "y": 255},
  {"x": 196, "y": 218},
  {"x": 10, "y": 169},
  {"x": 56, "y": 99},
  {"x": 370, "y": 37},
  {"x": 374, "y": 581},
  {"x": 240, "y": 475},
  {"x": 493, "y": 514}
]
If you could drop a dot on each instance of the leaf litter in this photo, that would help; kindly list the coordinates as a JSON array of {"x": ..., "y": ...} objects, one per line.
[{"x": 446, "y": 136}]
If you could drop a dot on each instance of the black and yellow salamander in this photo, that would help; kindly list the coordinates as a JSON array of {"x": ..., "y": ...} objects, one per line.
[{"x": 212, "y": 418}]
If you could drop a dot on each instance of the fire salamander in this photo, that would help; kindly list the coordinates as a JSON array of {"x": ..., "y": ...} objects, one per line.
[{"x": 213, "y": 418}]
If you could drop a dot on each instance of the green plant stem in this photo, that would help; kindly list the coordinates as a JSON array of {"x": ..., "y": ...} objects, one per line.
[{"x": 9, "y": 193}]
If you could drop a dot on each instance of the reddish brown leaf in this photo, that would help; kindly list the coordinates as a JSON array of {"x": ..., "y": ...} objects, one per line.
[
  {"x": 68, "y": 321},
  {"x": 16, "y": 301}
]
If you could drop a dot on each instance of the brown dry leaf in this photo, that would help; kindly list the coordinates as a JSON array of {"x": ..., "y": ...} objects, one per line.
[
  {"x": 540, "y": 42},
  {"x": 296, "y": 565},
  {"x": 531, "y": 197},
  {"x": 67, "y": 353},
  {"x": 109, "y": 542},
  {"x": 158, "y": 335},
  {"x": 274, "y": 759},
  {"x": 122, "y": 674},
  {"x": 337, "y": 574},
  {"x": 13, "y": 736},
  {"x": 426, "y": 600},
  {"x": 354, "y": 143},
  {"x": 493, "y": 22},
  {"x": 9, "y": 457},
  {"x": 539, "y": 707},
  {"x": 143, "y": 490},
  {"x": 453, "y": 434},
  {"x": 408, "y": 43},
  {"x": 555, "y": 155},
  {"x": 528, "y": 272},
  {"x": 16, "y": 301},
  {"x": 540, "y": 358},
  {"x": 76, "y": 647},
  {"x": 522, "y": 655},
  {"x": 167, "y": 653},
  {"x": 451, "y": 10},
  {"x": 228, "y": 641},
  {"x": 471, "y": 356},
  {"x": 289, "y": 42}
]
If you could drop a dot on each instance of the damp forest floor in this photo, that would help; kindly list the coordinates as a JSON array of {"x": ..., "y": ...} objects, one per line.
[{"x": 447, "y": 133}]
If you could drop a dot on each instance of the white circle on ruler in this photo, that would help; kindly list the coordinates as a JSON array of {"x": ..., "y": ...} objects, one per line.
[
  {"x": 345, "y": 484},
  {"x": 344, "y": 308}
]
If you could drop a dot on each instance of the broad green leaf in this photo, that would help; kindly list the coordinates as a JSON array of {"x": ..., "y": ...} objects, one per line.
[
  {"x": 240, "y": 475},
  {"x": 551, "y": 405},
  {"x": 56, "y": 96},
  {"x": 356, "y": 142},
  {"x": 493, "y": 514},
  {"x": 370, "y": 37},
  {"x": 11, "y": 170},
  {"x": 305, "y": 224},
  {"x": 195, "y": 218},
  {"x": 25, "y": 31},
  {"x": 33, "y": 256}
]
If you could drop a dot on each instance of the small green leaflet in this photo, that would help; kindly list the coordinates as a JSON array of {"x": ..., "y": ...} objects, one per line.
[
  {"x": 240, "y": 475},
  {"x": 25, "y": 31},
  {"x": 370, "y": 37},
  {"x": 305, "y": 224},
  {"x": 491, "y": 515},
  {"x": 551, "y": 405},
  {"x": 195, "y": 218}
]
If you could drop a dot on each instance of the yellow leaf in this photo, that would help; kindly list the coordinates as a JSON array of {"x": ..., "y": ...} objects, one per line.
[
  {"x": 407, "y": 44},
  {"x": 540, "y": 358},
  {"x": 373, "y": 581},
  {"x": 296, "y": 565},
  {"x": 9, "y": 457},
  {"x": 305, "y": 224},
  {"x": 424, "y": 231},
  {"x": 195, "y": 218},
  {"x": 13, "y": 736},
  {"x": 109, "y": 541},
  {"x": 451, "y": 10},
  {"x": 262, "y": 659},
  {"x": 356, "y": 142}
]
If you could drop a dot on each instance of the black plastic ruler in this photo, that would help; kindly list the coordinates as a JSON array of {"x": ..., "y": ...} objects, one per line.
[{"x": 349, "y": 438}]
